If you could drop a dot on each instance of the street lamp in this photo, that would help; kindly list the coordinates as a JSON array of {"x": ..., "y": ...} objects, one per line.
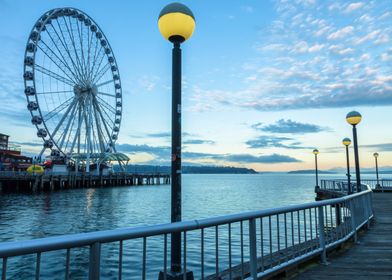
[
  {"x": 176, "y": 24},
  {"x": 375, "y": 157},
  {"x": 346, "y": 142},
  {"x": 316, "y": 152},
  {"x": 355, "y": 118}
]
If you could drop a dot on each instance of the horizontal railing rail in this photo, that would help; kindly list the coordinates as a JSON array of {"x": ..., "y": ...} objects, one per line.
[
  {"x": 341, "y": 185},
  {"x": 250, "y": 244}
]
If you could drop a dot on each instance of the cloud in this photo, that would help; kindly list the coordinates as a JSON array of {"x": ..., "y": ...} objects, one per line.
[
  {"x": 158, "y": 151},
  {"x": 289, "y": 126},
  {"x": 198, "y": 142},
  {"x": 354, "y": 6},
  {"x": 271, "y": 159},
  {"x": 383, "y": 147},
  {"x": 247, "y": 9},
  {"x": 371, "y": 36},
  {"x": 275, "y": 142},
  {"x": 344, "y": 96},
  {"x": 341, "y": 33},
  {"x": 159, "y": 135}
]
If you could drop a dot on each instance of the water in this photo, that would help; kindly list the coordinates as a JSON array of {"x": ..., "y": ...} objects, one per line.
[{"x": 82, "y": 210}]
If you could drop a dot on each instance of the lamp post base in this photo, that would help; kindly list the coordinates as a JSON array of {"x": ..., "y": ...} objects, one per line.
[{"x": 176, "y": 275}]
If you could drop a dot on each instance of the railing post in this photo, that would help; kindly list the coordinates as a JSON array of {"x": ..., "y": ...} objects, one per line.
[
  {"x": 94, "y": 261},
  {"x": 252, "y": 249},
  {"x": 353, "y": 222},
  {"x": 321, "y": 232}
]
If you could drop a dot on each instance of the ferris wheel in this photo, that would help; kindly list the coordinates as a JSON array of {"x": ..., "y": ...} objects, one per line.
[{"x": 73, "y": 87}]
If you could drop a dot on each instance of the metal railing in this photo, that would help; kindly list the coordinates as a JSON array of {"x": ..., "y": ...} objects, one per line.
[
  {"x": 341, "y": 185},
  {"x": 246, "y": 245}
]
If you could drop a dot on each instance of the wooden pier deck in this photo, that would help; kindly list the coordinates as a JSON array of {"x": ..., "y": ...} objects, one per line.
[{"x": 371, "y": 258}]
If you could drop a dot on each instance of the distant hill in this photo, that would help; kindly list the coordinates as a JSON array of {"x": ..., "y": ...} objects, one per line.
[
  {"x": 188, "y": 169},
  {"x": 312, "y": 171}
]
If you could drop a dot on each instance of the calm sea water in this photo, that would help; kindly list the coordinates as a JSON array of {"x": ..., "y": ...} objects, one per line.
[{"x": 82, "y": 210}]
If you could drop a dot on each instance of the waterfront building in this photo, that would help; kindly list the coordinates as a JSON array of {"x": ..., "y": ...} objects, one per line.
[{"x": 11, "y": 157}]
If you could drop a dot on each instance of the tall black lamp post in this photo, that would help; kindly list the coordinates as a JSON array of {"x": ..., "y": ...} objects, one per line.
[
  {"x": 355, "y": 118},
  {"x": 176, "y": 24},
  {"x": 375, "y": 157},
  {"x": 346, "y": 142},
  {"x": 316, "y": 152}
]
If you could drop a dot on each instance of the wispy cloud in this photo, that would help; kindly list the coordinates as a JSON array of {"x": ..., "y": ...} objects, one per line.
[
  {"x": 265, "y": 141},
  {"x": 289, "y": 126},
  {"x": 198, "y": 142},
  {"x": 354, "y": 6},
  {"x": 330, "y": 57},
  {"x": 274, "y": 158}
]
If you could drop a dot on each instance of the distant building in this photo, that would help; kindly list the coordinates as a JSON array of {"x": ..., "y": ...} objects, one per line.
[{"x": 11, "y": 157}]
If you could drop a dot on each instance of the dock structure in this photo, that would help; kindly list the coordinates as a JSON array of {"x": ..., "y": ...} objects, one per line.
[
  {"x": 370, "y": 258},
  {"x": 25, "y": 182}
]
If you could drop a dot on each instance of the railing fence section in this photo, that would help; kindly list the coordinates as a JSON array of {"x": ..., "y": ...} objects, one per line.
[
  {"x": 246, "y": 245},
  {"x": 341, "y": 185}
]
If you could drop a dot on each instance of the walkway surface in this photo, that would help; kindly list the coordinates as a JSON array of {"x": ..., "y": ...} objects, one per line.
[{"x": 371, "y": 258}]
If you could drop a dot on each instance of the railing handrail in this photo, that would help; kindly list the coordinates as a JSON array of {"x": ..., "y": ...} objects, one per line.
[{"x": 15, "y": 248}]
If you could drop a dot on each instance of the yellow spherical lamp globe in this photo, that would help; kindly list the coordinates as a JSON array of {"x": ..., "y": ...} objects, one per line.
[
  {"x": 375, "y": 155},
  {"x": 316, "y": 152},
  {"x": 346, "y": 141},
  {"x": 176, "y": 22},
  {"x": 353, "y": 118}
]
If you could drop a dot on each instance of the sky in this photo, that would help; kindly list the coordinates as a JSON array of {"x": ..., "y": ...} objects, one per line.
[{"x": 264, "y": 82}]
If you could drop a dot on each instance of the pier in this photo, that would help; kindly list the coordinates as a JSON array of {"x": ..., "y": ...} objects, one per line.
[{"x": 25, "y": 182}]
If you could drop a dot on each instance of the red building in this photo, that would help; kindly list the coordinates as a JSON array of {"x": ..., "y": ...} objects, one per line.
[{"x": 11, "y": 157}]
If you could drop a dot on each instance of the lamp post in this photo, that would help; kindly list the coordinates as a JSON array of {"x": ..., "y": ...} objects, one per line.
[
  {"x": 375, "y": 157},
  {"x": 316, "y": 152},
  {"x": 355, "y": 118},
  {"x": 176, "y": 24},
  {"x": 346, "y": 142}
]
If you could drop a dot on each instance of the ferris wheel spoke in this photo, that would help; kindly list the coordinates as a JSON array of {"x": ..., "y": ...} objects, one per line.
[
  {"x": 105, "y": 83},
  {"x": 53, "y": 92},
  {"x": 65, "y": 132},
  {"x": 107, "y": 94},
  {"x": 95, "y": 70},
  {"x": 104, "y": 124},
  {"x": 55, "y": 43},
  {"x": 71, "y": 130},
  {"x": 90, "y": 72},
  {"x": 77, "y": 133},
  {"x": 71, "y": 36},
  {"x": 63, "y": 118},
  {"x": 84, "y": 62},
  {"x": 63, "y": 41},
  {"x": 58, "y": 109},
  {"x": 58, "y": 66},
  {"x": 105, "y": 104},
  {"x": 108, "y": 119},
  {"x": 101, "y": 72},
  {"x": 89, "y": 43},
  {"x": 53, "y": 75},
  {"x": 99, "y": 129}
]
